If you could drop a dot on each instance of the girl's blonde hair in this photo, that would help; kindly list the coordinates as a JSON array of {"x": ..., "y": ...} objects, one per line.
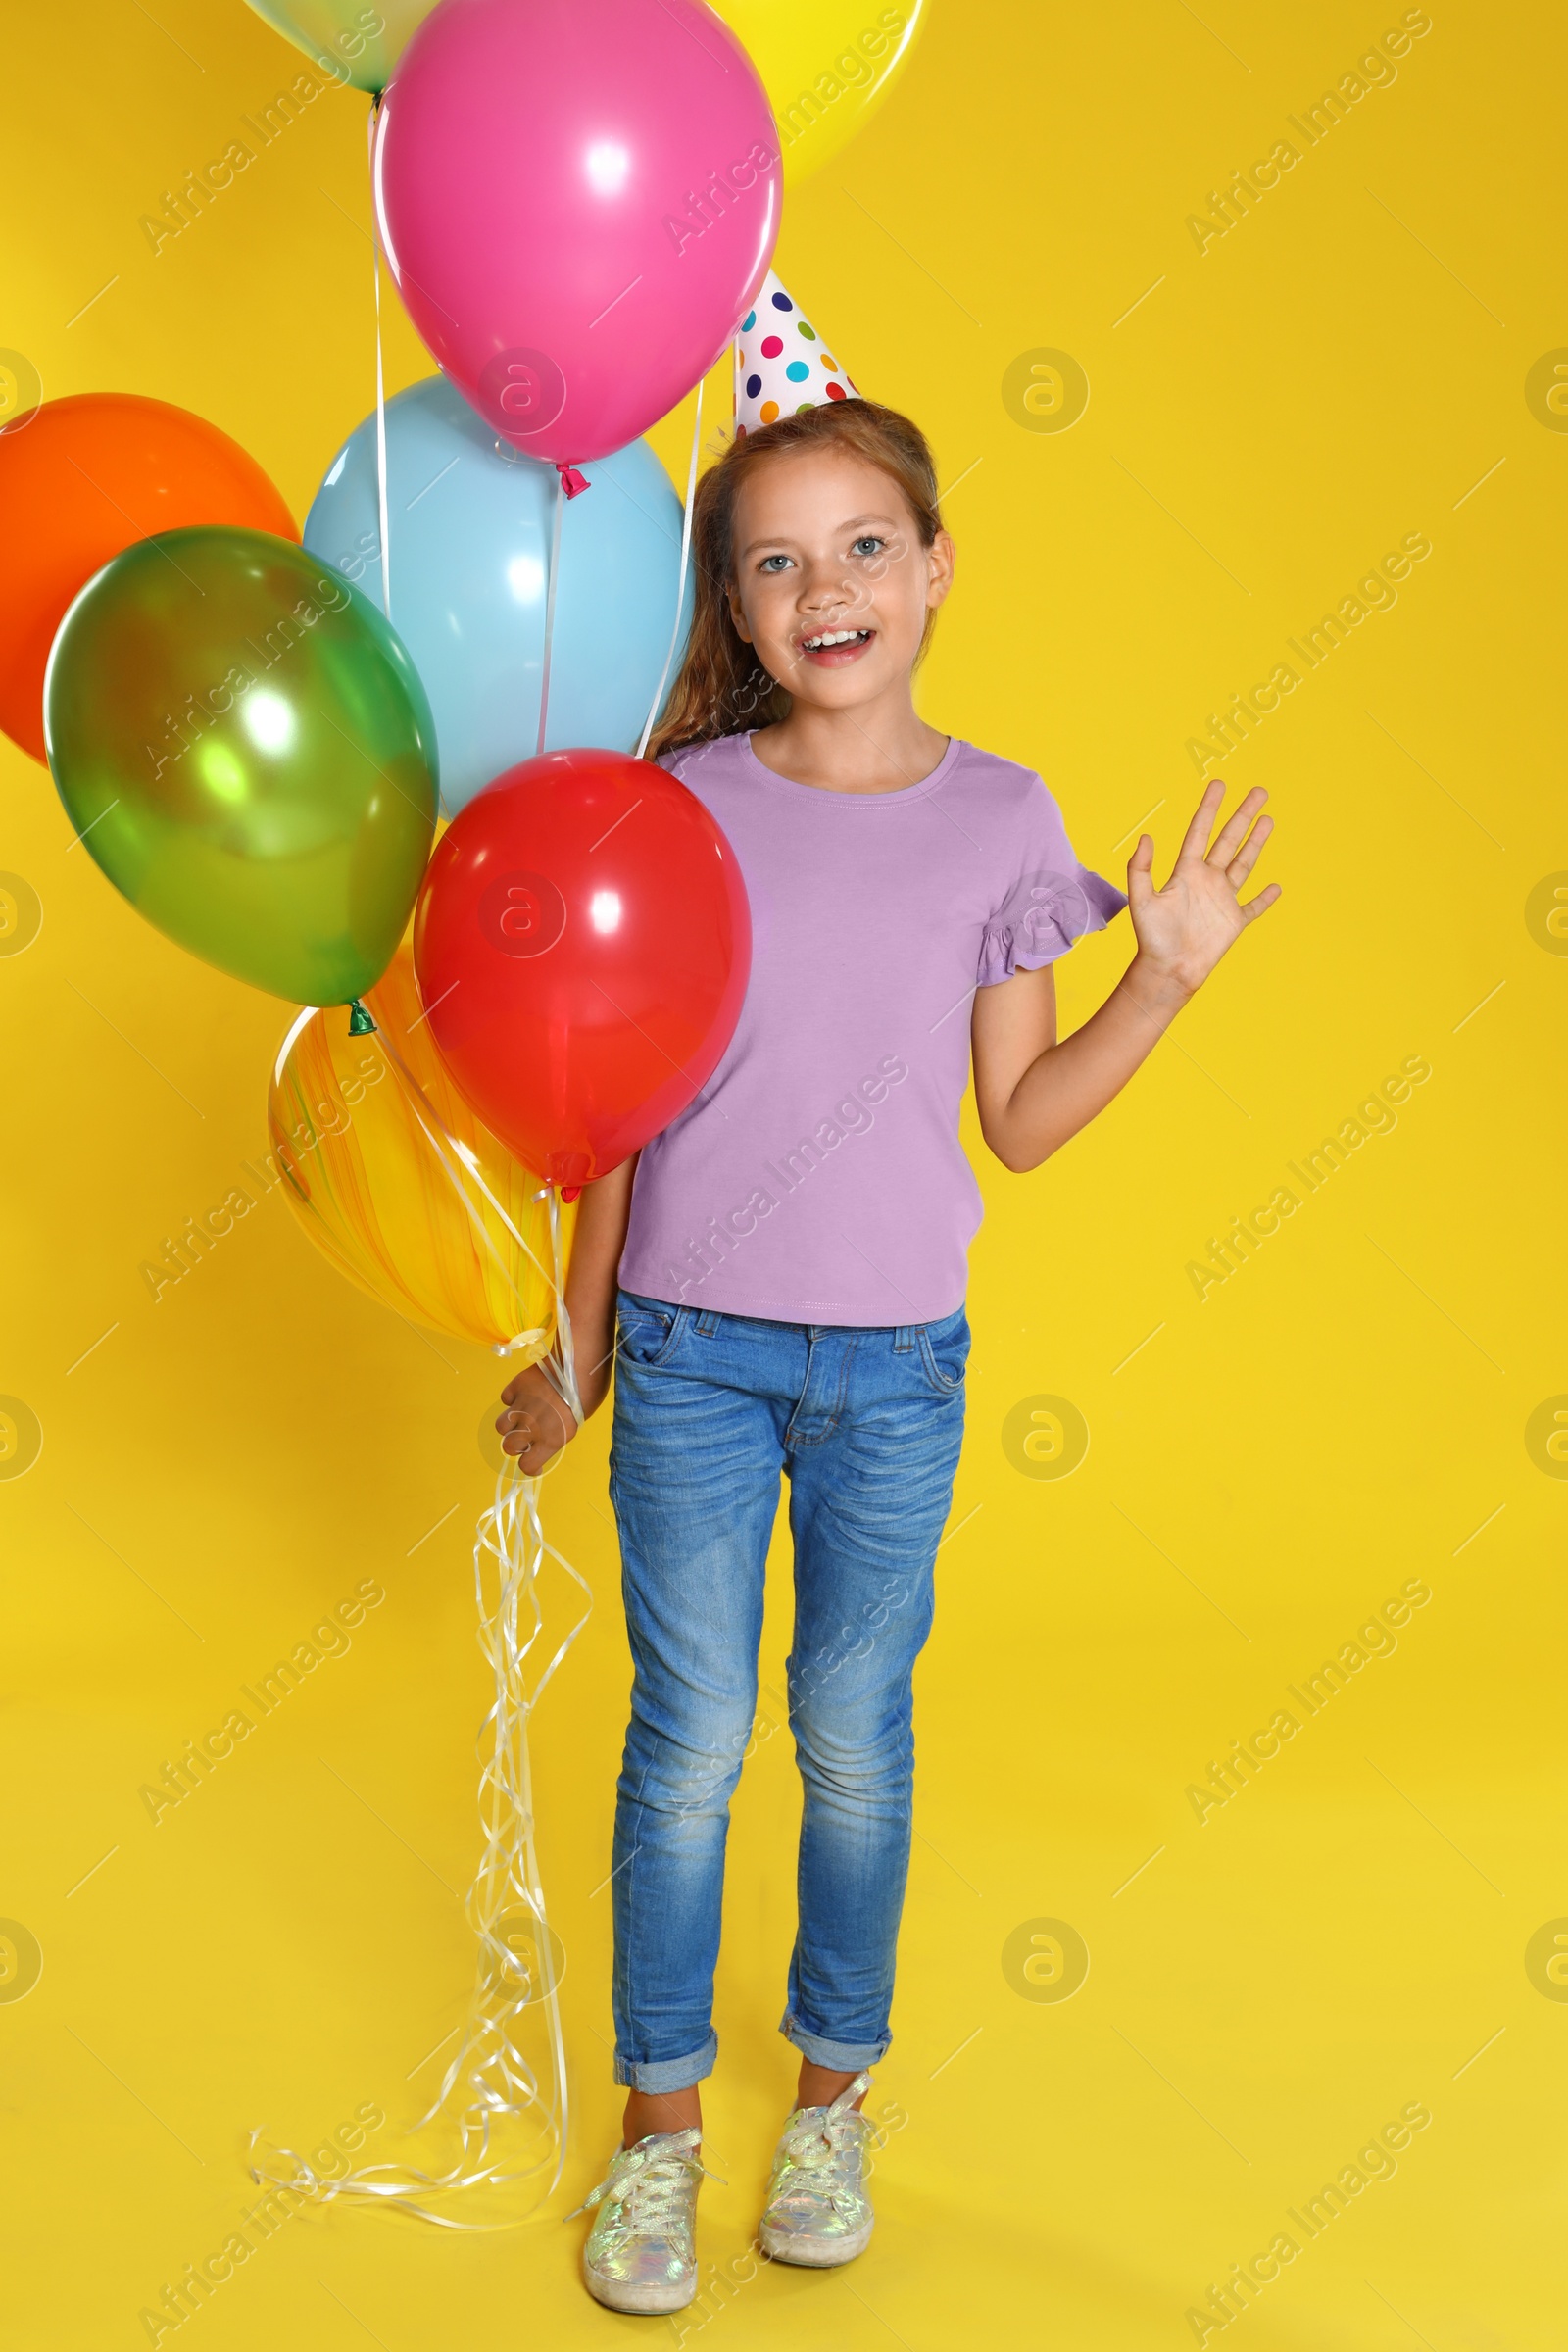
[{"x": 722, "y": 687}]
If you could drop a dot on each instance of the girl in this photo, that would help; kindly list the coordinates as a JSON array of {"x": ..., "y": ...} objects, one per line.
[{"x": 791, "y": 1264}]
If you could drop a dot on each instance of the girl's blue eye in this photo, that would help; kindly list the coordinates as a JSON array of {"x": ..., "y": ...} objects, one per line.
[
  {"x": 768, "y": 561},
  {"x": 869, "y": 546}
]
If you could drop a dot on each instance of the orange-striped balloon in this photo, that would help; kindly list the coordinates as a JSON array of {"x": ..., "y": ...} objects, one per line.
[{"x": 399, "y": 1185}]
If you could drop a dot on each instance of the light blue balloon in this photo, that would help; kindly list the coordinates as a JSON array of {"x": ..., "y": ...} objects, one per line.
[{"x": 469, "y": 521}]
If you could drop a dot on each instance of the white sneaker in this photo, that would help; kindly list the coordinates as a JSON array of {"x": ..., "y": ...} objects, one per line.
[
  {"x": 641, "y": 2253},
  {"x": 818, "y": 2212}
]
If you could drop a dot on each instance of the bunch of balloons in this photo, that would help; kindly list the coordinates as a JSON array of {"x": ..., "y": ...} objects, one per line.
[
  {"x": 826, "y": 65},
  {"x": 256, "y": 739}
]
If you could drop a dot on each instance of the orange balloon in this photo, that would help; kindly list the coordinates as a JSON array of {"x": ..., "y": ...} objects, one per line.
[{"x": 83, "y": 477}]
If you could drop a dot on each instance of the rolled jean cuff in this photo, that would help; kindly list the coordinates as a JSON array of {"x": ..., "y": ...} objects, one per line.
[
  {"x": 840, "y": 2057},
  {"x": 667, "y": 2074}
]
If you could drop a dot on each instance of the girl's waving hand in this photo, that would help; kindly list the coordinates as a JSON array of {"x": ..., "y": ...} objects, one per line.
[
  {"x": 1184, "y": 929},
  {"x": 1035, "y": 1094}
]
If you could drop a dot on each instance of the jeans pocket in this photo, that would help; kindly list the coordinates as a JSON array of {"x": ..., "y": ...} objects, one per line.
[
  {"x": 944, "y": 1352},
  {"x": 647, "y": 1331}
]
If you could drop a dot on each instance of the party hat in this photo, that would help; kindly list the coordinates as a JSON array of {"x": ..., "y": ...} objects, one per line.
[{"x": 780, "y": 363}]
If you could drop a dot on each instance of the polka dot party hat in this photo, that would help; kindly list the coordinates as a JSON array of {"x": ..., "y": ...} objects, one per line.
[{"x": 781, "y": 364}]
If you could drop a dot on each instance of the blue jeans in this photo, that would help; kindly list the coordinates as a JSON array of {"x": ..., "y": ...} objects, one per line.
[{"x": 710, "y": 1408}]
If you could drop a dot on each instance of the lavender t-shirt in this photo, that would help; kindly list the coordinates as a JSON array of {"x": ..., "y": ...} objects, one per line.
[{"x": 819, "y": 1177}]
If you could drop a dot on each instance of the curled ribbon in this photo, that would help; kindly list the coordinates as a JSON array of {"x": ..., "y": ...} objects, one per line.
[{"x": 490, "y": 2094}]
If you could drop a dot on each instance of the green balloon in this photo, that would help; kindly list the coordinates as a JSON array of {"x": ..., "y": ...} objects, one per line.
[
  {"x": 243, "y": 745},
  {"x": 347, "y": 40}
]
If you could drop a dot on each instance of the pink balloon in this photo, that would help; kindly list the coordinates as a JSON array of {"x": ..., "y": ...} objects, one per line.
[{"x": 579, "y": 200}]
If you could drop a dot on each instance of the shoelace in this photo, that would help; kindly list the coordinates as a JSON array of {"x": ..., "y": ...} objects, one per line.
[
  {"x": 814, "y": 2155},
  {"x": 815, "y": 2150},
  {"x": 648, "y": 2189}
]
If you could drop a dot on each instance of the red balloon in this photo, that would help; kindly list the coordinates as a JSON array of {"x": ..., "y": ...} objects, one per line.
[{"x": 582, "y": 941}]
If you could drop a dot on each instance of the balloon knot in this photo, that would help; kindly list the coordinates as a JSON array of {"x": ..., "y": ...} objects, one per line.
[
  {"x": 360, "y": 1021},
  {"x": 569, "y": 1194},
  {"x": 572, "y": 481}
]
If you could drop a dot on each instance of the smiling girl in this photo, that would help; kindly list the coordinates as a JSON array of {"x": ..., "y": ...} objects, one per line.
[{"x": 780, "y": 1276}]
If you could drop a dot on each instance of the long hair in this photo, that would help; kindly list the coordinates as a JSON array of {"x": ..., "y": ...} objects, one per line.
[{"x": 722, "y": 687}]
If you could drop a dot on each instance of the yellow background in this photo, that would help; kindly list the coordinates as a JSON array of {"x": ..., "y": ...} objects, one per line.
[{"x": 1339, "y": 1941}]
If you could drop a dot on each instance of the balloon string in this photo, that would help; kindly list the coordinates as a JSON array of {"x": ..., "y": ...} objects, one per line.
[
  {"x": 506, "y": 1903},
  {"x": 380, "y": 379},
  {"x": 680, "y": 586},
  {"x": 550, "y": 605}
]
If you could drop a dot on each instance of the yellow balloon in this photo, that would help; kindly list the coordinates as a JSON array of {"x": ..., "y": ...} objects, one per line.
[
  {"x": 825, "y": 63},
  {"x": 390, "y": 1180}
]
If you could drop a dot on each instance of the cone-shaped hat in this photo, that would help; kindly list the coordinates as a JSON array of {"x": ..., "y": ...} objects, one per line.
[{"x": 781, "y": 363}]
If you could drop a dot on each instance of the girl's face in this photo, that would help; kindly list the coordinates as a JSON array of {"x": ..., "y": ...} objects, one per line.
[{"x": 832, "y": 586}]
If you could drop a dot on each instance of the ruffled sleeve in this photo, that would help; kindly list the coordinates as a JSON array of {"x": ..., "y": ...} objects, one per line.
[{"x": 1053, "y": 903}]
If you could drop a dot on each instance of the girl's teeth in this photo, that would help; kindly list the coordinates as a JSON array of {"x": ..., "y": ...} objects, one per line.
[{"x": 833, "y": 637}]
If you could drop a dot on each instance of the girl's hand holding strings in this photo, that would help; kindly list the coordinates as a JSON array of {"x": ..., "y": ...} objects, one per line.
[
  {"x": 1184, "y": 928},
  {"x": 536, "y": 1422}
]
